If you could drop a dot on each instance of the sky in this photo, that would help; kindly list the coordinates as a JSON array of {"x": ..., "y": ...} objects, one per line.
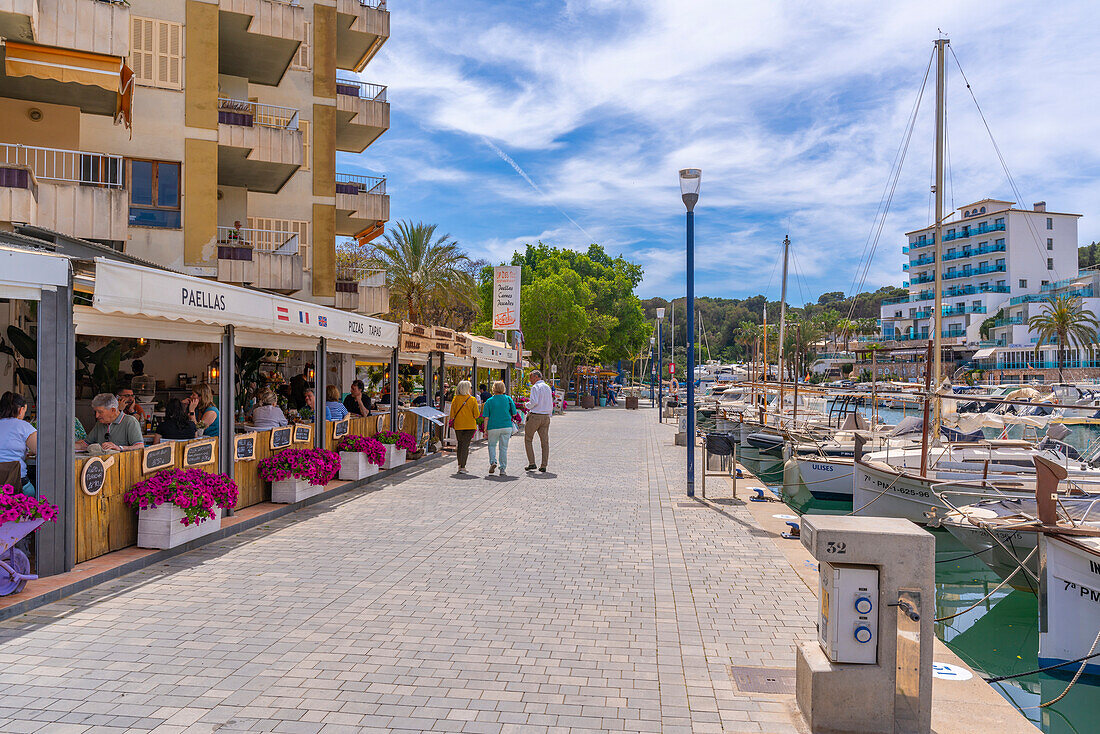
[{"x": 567, "y": 121}]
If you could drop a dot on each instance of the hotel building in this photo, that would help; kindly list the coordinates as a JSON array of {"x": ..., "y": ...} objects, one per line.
[{"x": 200, "y": 135}]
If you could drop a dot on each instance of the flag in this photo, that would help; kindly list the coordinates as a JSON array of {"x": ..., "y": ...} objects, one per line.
[
  {"x": 322, "y": 321},
  {"x": 303, "y": 317},
  {"x": 1004, "y": 432},
  {"x": 282, "y": 313}
]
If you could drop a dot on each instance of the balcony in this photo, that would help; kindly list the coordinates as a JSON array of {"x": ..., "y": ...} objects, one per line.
[
  {"x": 1010, "y": 321},
  {"x": 362, "y": 290},
  {"x": 892, "y": 301},
  {"x": 951, "y": 311},
  {"x": 263, "y": 258},
  {"x": 362, "y": 114},
  {"x": 257, "y": 39},
  {"x": 923, "y": 278},
  {"x": 923, "y": 260},
  {"x": 259, "y": 145},
  {"x": 965, "y": 273},
  {"x": 1059, "y": 284},
  {"x": 362, "y": 206},
  {"x": 970, "y": 290},
  {"x": 976, "y": 232},
  {"x": 95, "y": 26},
  {"x": 920, "y": 243},
  {"x": 362, "y": 26},
  {"x": 979, "y": 251},
  {"x": 68, "y": 191},
  {"x": 1086, "y": 292}
]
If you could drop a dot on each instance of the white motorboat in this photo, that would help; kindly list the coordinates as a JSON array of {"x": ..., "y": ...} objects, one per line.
[{"x": 1069, "y": 599}]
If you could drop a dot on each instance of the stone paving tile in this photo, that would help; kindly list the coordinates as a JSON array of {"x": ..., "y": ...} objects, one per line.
[{"x": 584, "y": 599}]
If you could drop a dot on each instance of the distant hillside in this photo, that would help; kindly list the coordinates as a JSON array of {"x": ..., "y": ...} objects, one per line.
[
  {"x": 721, "y": 317},
  {"x": 1088, "y": 255}
]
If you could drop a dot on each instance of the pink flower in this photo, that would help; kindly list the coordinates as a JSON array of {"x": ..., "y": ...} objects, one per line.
[
  {"x": 18, "y": 507},
  {"x": 316, "y": 466},
  {"x": 192, "y": 490}
]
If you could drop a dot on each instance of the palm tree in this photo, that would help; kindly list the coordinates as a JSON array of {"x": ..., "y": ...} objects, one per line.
[
  {"x": 1065, "y": 323},
  {"x": 425, "y": 273},
  {"x": 749, "y": 334}
]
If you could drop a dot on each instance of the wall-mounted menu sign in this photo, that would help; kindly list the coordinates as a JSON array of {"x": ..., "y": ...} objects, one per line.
[
  {"x": 341, "y": 428},
  {"x": 244, "y": 447},
  {"x": 158, "y": 456},
  {"x": 303, "y": 433},
  {"x": 94, "y": 474},
  {"x": 199, "y": 454},
  {"x": 281, "y": 437}
]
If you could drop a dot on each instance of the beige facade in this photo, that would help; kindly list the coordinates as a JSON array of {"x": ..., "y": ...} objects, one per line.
[{"x": 239, "y": 106}]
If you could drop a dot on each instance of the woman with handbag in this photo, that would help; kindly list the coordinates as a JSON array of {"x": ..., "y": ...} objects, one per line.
[
  {"x": 499, "y": 412},
  {"x": 464, "y": 418}
]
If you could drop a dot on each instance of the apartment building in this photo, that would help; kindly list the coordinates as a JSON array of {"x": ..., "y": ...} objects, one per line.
[
  {"x": 198, "y": 134},
  {"x": 991, "y": 254}
]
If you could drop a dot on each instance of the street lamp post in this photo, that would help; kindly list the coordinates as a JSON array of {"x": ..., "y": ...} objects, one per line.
[
  {"x": 660, "y": 369},
  {"x": 652, "y": 367},
  {"x": 689, "y": 192}
]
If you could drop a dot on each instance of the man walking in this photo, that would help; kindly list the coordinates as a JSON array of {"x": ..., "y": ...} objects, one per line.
[{"x": 541, "y": 406}]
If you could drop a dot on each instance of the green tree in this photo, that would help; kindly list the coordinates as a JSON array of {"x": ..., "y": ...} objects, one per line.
[{"x": 1064, "y": 322}]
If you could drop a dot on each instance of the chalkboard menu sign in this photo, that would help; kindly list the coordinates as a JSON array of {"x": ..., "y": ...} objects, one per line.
[
  {"x": 244, "y": 447},
  {"x": 158, "y": 456},
  {"x": 341, "y": 428},
  {"x": 94, "y": 475},
  {"x": 281, "y": 437},
  {"x": 199, "y": 454},
  {"x": 303, "y": 433}
]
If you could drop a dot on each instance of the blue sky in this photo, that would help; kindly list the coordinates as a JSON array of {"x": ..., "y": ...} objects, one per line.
[{"x": 794, "y": 111}]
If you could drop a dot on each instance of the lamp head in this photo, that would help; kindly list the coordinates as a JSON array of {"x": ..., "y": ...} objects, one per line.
[
  {"x": 652, "y": 340},
  {"x": 660, "y": 313},
  {"x": 689, "y": 186}
]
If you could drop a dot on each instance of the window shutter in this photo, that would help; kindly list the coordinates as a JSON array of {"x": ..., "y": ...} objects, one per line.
[
  {"x": 301, "y": 59},
  {"x": 307, "y": 150},
  {"x": 141, "y": 49},
  {"x": 168, "y": 54}
]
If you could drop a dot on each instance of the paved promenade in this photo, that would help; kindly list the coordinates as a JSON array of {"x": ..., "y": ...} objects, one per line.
[{"x": 584, "y": 599}]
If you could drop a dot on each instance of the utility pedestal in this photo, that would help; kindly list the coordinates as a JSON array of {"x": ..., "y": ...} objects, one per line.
[{"x": 870, "y": 670}]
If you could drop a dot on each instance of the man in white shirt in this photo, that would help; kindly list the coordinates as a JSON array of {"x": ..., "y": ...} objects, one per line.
[{"x": 541, "y": 406}]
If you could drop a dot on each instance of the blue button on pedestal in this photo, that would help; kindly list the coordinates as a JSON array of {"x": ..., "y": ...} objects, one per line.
[
  {"x": 864, "y": 605},
  {"x": 863, "y": 634}
]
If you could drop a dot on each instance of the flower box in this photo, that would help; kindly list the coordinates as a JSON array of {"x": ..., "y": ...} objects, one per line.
[
  {"x": 395, "y": 457},
  {"x": 289, "y": 491},
  {"x": 162, "y": 527},
  {"x": 354, "y": 466}
]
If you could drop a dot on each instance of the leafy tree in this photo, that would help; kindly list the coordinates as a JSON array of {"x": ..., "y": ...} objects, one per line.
[{"x": 1065, "y": 322}]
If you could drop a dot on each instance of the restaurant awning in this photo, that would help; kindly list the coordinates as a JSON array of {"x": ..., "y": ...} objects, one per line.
[
  {"x": 123, "y": 291},
  {"x": 69, "y": 66},
  {"x": 985, "y": 353},
  {"x": 24, "y": 274},
  {"x": 490, "y": 353}
]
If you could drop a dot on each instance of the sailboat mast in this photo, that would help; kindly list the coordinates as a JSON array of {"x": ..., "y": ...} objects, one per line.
[
  {"x": 937, "y": 281},
  {"x": 783, "y": 316}
]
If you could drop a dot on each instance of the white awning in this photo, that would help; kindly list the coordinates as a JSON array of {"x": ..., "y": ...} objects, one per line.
[
  {"x": 90, "y": 322},
  {"x": 486, "y": 351},
  {"x": 25, "y": 274},
  {"x": 122, "y": 288},
  {"x": 985, "y": 353}
]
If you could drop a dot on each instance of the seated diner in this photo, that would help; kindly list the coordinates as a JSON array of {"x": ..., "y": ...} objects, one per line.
[
  {"x": 267, "y": 414},
  {"x": 358, "y": 402},
  {"x": 201, "y": 406},
  {"x": 18, "y": 438},
  {"x": 334, "y": 409},
  {"x": 177, "y": 424},
  {"x": 113, "y": 429}
]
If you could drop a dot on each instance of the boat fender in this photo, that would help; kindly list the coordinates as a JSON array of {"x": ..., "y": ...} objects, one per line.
[{"x": 795, "y": 532}]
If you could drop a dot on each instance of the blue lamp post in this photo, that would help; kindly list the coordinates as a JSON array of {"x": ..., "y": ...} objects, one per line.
[
  {"x": 689, "y": 192},
  {"x": 660, "y": 369}
]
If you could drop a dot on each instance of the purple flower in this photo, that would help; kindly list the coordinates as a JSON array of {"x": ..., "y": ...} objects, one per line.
[
  {"x": 399, "y": 439},
  {"x": 316, "y": 466},
  {"x": 192, "y": 490},
  {"x": 18, "y": 507},
  {"x": 372, "y": 447}
]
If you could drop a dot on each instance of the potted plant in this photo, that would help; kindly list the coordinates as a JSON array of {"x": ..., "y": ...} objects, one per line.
[
  {"x": 296, "y": 474},
  {"x": 360, "y": 457},
  {"x": 176, "y": 506},
  {"x": 397, "y": 443}
]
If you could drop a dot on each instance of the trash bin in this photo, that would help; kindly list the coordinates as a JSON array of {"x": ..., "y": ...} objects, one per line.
[
  {"x": 632, "y": 403},
  {"x": 603, "y": 402},
  {"x": 588, "y": 402}
]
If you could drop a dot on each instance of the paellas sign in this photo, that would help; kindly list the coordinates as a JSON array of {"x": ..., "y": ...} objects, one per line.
[{"x": 506, "y": 288}]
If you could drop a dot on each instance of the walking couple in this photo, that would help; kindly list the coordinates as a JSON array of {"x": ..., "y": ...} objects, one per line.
[{"x": 499, "y": 414}]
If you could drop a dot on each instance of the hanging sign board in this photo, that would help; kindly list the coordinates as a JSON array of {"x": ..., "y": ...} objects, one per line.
[
  {"x": 281, "y": 437},
  {"x": 244, "y": 447},
  {"x": 159, "y": 456},
  {"x": 303, "y": 433},
  {"x": 199, "y": 454},
  {"x": 94, "y": 474},
  {"x": 341, "y": 428},
  {"x": 506, "y": 280}
]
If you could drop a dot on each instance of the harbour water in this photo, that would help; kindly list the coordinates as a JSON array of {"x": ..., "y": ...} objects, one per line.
[{"x": 997, "y": 637}]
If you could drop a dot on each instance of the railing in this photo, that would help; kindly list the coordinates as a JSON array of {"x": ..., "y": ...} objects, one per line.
[
  {"x": 1010, "y": 321},
  {"x": 1066, "y": 281},
  {"x": 261, "y": 240},
  {"x": 923, "y": 260},
  {"x": 921, "y": 243},
  {"x": 973, "y": 232},
  {"x": 373, "y": 4},
  {"x": 363, "y": 184},
  {"x": 905, "y": 249},
  {"x": 892, "y": 301},
  {"x": 245, "y": 113},
  {"x": 950, "y": 311},
  {"x": 947, "y": 334},
  {"x": 1086, "y": 292},
  {"x": 980, "y": 251},
  {"x": 362, "y": 90},
  {"x": 923, "y": 278},
  {"x": 67, "y": 166},
  {"x": 361, "y": 275}
]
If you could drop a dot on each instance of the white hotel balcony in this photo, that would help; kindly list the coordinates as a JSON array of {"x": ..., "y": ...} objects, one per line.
[
  {"x": 362, "y": 26},
  {"x": 263, "y": 258},
  {"x": 362, "y": 114},
  {"x": 362, "y": 290},
  {"x": 362, "y": 206},
  {"x": 259, "y": 145}
]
